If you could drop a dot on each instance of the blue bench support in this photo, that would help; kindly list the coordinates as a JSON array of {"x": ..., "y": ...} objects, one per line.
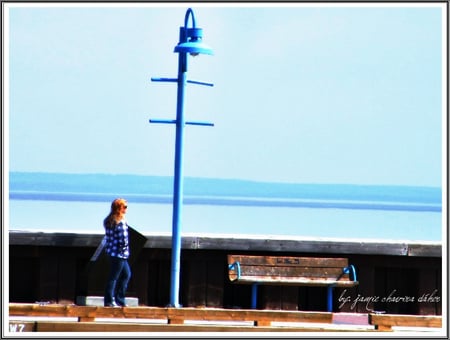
[
  {"x": 330, "y": 298},
  {"x": 254, "y": 295},
  {"x": 347, "y": 270}
]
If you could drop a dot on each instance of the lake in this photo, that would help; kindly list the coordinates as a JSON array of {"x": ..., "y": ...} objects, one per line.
[{"x": 76, "y": 203}]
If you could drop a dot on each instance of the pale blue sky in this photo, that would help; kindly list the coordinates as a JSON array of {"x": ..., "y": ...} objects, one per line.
[{"x": 304, "y": 93}]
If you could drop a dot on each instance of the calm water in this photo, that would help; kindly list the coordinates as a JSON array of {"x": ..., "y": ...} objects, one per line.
[
  {"x": 79, "y": 202},
  {"x": 75, "y": 216}
]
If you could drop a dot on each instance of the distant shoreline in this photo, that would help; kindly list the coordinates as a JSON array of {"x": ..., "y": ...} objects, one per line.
[
  {"x": 226, "y": 192},
  {"x": 227, "y": 201}
]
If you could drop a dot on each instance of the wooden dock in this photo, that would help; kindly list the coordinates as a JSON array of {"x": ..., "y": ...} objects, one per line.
[
  {"x": 25, "y": 317},
  {"x": 57, "y": 268}
]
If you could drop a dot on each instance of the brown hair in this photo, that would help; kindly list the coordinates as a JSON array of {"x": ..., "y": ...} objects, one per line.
[{"x": 115, "y": 214}]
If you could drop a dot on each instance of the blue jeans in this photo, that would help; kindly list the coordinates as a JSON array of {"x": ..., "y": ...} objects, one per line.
[{"x": 119, "y": 276}]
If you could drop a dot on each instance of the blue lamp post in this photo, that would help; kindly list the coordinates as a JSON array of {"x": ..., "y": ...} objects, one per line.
[{"x": 190, "y": 42}]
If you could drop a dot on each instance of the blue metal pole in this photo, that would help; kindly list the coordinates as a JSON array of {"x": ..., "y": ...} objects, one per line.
[
  {"x": 178, "y": 181},
  {"x": 183, "y": 48}
]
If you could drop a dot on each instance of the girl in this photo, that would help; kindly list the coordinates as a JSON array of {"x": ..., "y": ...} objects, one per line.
[{"x": 118, "y": 251}]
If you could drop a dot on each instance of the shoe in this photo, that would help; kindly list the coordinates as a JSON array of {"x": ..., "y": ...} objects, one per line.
[
  {"x": 122, "y": 304},
  {"x": 111, "y": 304}
]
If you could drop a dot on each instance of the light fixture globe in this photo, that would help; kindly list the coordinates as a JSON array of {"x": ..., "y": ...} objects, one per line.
[{"x": 193, "y": 48}]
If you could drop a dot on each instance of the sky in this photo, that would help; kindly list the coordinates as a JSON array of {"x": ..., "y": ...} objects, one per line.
[{"x": 303, "y": 93}]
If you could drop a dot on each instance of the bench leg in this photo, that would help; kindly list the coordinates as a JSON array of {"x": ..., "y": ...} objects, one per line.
[
  {"x": 330, "y": 298},
  {"x": 254, "y": 295}
]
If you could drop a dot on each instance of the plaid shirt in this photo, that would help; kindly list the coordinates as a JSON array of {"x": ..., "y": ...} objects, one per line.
[{"x": 117, "y": 240}]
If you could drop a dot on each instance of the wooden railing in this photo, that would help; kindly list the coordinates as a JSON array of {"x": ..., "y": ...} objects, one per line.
[{"x": 154, "y": 319}]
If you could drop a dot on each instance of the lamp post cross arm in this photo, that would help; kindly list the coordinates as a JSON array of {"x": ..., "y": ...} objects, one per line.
[{"x": 174, "y": 80}]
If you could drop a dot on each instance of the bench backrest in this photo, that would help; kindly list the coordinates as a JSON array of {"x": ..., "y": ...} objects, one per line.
[{"x": 287, "y": 269}]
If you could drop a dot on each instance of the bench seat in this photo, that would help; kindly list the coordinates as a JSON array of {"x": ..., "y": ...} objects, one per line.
[{"x": 297, "y": 281}]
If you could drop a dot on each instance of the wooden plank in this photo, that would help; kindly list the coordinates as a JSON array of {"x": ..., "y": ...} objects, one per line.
[
  {"x": 153, "y": 292},
  {"x": 215, "y": 279},
  {"x": 347, "y": 298},
  {"x": 23, "y": 275},
  {"x": 277, "y": 297},
  {"x": 424, "y": 249},
  {"x": 396, "y": 282},
  {"x": 289, "y": 298},
  {"x": 86, "y": 313},
  {"x": 195, "y": 283},
  {"x": 218, "y": 242},
  {"x": 258, "y": 316},
  {"x": 52, "y": 310},
  {"x": 19, "y": 237},
  {"x": 67, "y": 278},
  {"x": 173, "y": 315},
  {"x": 429, "y": 295},
  {"x": 181, "y": 315},
  {"x": 49, "y": 326},
  {"x": 387, "y": 321},
  {"x": 140, "y": 280},
  {"x": 236, "y": 296},
  {"x": 269, "y": 297},
  {"x": 317, "y": 272},
  {"x": 48, "y": 278},
  {"x": 163, "y": 277},
  {"x": 302, "y": 245},
  {"x": 300, "y": 281},
  {"x": 132, "y": 312},
  {"x": 288, "y": 261}
]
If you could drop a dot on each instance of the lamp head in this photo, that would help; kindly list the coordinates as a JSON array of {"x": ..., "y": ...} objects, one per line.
[{"x": 192, "y": 42}]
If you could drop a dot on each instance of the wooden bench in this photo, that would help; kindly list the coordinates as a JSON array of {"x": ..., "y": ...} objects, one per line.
[{"x": 286, "y": 270}]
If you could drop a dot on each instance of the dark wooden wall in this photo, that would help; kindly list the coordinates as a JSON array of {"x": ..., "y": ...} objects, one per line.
[{"x": 59, "y": 274}]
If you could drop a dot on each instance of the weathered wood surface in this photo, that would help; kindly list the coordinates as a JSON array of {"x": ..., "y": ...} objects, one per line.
[
  {"x": 310, "y": 271},
  {"x": 152, "y": 319},
  {"x": 385, "y": 322},
  {"x": 172, "y": 315},
  {"x": 61, "y": 326},
  {"x": 254, "y": 243},
  {"x": 51, "y": 269}
]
